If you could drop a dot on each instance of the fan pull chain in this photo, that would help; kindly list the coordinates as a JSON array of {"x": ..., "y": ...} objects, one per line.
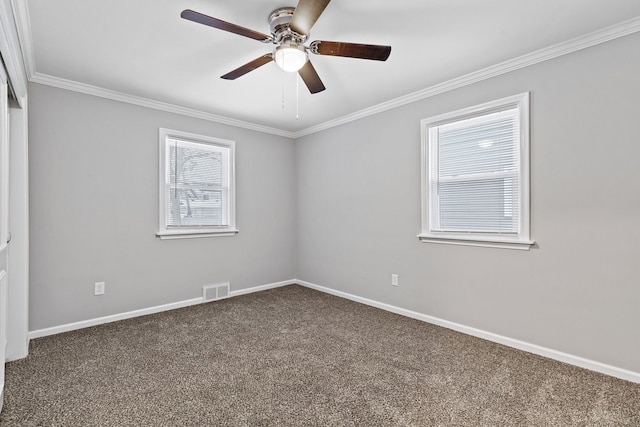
[
  {"x": 297, "y": 97},
  {"x": 282, "y": 73}
]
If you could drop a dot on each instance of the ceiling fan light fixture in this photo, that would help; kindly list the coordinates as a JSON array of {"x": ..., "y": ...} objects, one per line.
[
  {"x": 290, "y": 57},
  {"x": 290, "y": 28}
]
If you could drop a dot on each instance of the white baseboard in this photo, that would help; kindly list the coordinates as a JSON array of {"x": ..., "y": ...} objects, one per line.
[
  {"x": 489, "y": 336},
  {"x": 261, "y": 288},
  {"x": 112, "y": 318},
  {"x": 21, "y": 354},
  {"x": 143, "y": 312},
  {"x": 509, "y": 342}
]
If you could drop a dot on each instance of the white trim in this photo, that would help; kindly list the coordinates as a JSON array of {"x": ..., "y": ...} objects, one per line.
[
  {"x": 184, "y": 234},
  {"x": 229, "y": 168},
  {"x": 523, "y": 245},
  {"x": 514, "y": 101},
  {"x": 5, "y": 164},
  {"x": 509, "y": 342},
  {"x": 262, "y": 288},
  {"x": 151, "y": 103},
  {"x": 18, "y": 262},
  {"x": 23, "y": 26},
  {"x": 11, "y": 50},
  {"x": 4, "y": 329},
  {"x": 429, "y": 163},
  {"x": 38, "y": 333},
  {"x": 112, "y": 318},
  {"x": 603, "y": 35}
]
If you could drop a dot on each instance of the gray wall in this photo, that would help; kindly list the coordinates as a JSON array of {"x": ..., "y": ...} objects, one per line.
[
  {"x": 577, "y": 292},
  {"x": 94, "y": 211},
  {"x": 341, "y": 209}
]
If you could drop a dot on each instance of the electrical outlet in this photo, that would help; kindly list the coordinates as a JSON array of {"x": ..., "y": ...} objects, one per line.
[
  {"x": 394, "y": 280},
  {"x": 98, "y": 288}
]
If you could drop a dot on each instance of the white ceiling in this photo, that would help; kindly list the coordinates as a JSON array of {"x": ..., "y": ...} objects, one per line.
[{"x": 143, "y": 48}]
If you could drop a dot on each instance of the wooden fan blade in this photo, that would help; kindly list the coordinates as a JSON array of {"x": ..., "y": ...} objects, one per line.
[
  {"x": 351, "y": 50},
  {"x": 241, "y": 71},
  {"x": 311, "y": 78},
  {"x": 306, "y": 14},
  {"x": 223, "y": 25}
]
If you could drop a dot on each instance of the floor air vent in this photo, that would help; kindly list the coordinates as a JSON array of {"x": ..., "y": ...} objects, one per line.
[{"x": 215, "y": 292}]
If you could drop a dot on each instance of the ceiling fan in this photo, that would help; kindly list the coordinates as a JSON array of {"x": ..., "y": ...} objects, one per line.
[{"x": 290, "y": 27}]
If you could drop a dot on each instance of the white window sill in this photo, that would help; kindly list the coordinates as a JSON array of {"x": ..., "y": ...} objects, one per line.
[
  {"x": 523, "y": 245},
  {"x": 193, "y": 234}
]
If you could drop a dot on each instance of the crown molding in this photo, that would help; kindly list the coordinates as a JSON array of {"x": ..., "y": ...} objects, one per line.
[
  {"x": 23, "y": 26},
  {"x": 621, "y": 29},
  {"x": 612, "y": 32},
  {"x": 151, "y": 103}
]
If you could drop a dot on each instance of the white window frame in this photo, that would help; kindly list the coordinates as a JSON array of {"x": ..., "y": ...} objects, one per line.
[
  {"x": 4, "y": 159},
  {"x": 521, "y": 239},
  {"x": 165, "y": 232}
]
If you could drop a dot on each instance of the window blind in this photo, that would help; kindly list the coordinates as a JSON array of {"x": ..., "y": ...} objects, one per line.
[
  {"x": 197, "y": 184},
  {"x": 474, "y": 174}
]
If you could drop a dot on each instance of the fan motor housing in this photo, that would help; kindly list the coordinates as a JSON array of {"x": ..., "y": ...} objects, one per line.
[{"x": 279, "y": 26}]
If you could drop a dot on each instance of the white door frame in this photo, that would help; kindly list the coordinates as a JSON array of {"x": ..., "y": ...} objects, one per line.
[
  {"x": 4, "y": 221},
  {"x": 17, "y": 261}
]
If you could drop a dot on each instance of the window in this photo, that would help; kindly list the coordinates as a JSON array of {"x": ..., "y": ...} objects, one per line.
[
  {"x": 475, "y": 180},
  {"x": 197, "y": 194}
]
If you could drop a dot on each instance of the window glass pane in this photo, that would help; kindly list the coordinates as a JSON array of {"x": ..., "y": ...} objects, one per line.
[
  {"x": 476, "y": 206},
  {"x": 196, "y": 208},
  {"x": 197, "y": 187},
  {"x": 479, "y": 145},
  {"x": 476, "y": 174}
]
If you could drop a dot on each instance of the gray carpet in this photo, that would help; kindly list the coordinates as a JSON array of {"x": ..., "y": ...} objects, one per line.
[{"x": 294, "y": 356}]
